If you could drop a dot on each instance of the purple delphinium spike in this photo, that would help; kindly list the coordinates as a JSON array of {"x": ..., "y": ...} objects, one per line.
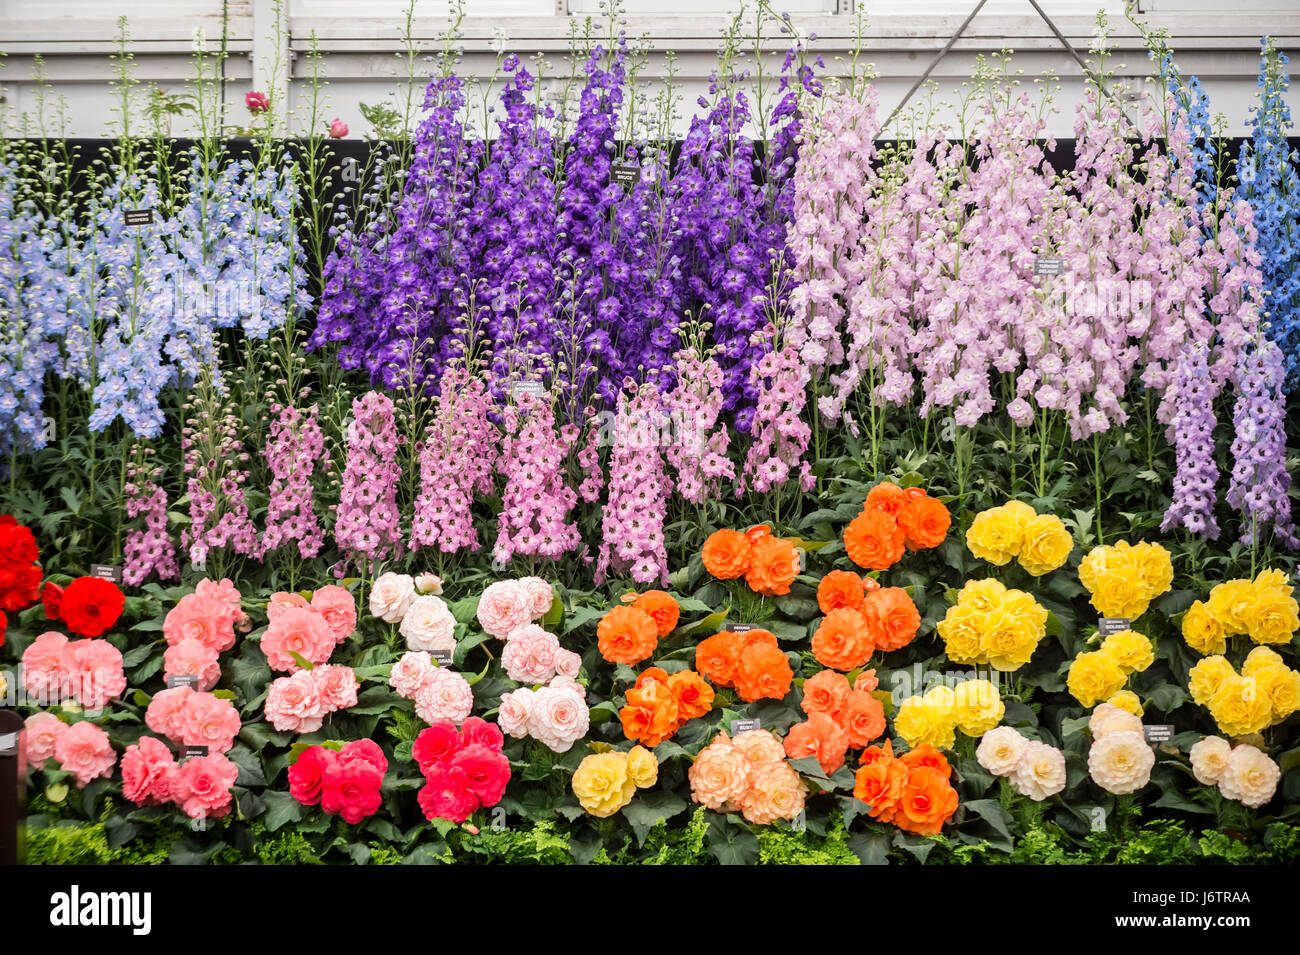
[{"x": 1191, "y": 432}]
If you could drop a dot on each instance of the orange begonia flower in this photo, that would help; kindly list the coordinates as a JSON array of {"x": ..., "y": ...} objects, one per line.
[
  {"x": 874, "y": 540},
  {"x": 661, "y": 607},
  {"x": 726, "y": 554},
  {"x": 626, "y": 635},
  {"x": 840, "y": 588}
]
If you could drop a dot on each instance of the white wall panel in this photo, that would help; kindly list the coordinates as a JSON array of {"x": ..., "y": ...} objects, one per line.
[
  {"x": 396, "y": 9},
  {"x": 359, "y": 40}
]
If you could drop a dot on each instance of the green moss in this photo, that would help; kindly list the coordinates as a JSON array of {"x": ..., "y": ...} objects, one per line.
[
  {"x": 792, "y": 847},
  {"x": 537, "y": 845},
  {"x": 52, "y": 841},
  {"x": 69, "y": 843},
  {"x": 286, "y": 848},
  {"x": 381, "y": 854},
  {"x": 688, "y": 845}
]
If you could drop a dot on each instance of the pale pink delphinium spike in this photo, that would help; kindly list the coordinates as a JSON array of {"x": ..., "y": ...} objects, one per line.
[
  {"x": 457, "y": 461},
  {"x": 698, "y": 449},
  {"x": 780, "y": 435},
  {"x": 632, "y": 522},
  {"x": 147, "y": 550},
  {"x": 294, "y": 448},
  {"x": 833, "y": 182},
  {"x": 537, "y": 502},
  {"x": 593, "y": 478},
  {"x": 895, "y": 265},
  {"x": 1087, "y": 360},
  {"x": 1005, "y": 193},
  {"x": 367, "y": 526}
]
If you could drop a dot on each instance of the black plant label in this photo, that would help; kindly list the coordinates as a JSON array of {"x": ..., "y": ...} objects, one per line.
[
  {"x": 1158, "y": 732},
  {"x": 111, "y": 572},
  {"x": 1108, "y": 625}
]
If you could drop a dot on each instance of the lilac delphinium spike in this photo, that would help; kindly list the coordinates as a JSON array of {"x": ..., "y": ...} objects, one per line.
[
  {"x": 1260, "y": 480},
  {"x": 1191, "y": 432}
]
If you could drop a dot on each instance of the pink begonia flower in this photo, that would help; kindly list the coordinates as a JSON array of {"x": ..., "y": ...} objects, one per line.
[
  {"x": 447, "y": 696},
  {"x": 40, "y": 735},
  {"x": 201, "y": 617},
  {"x": 191, "y": 657},
  {"x": 207, "y": 720},
  {"x": 410, "y": 673},
  {"x": 300, "y": 630},
  {"x": 293, "y": 704},
  {"x": 529, "y": 655},
  {"x": 163, "y": 716},
  {"x": 148, "y": 769},
  {"x": 339, "y": 608},
  {"x": 44, "y": 678},
  {"x": 201, "y": 786},
  {"x": 504, "y": 607},
  {"x": 83, "y": 749},
  {"x": 337, "y": 687}
]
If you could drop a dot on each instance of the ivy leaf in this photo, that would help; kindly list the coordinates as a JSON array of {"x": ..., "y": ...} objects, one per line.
[
  {"x": 649, "y": 808},
  {"x": 281, "y": 809},
  {"x": 918, "y": 846},
  {"x": 732, "y": 844},
  {"x": 991, "y": 811},
  {"x": 871, "y": 848}
]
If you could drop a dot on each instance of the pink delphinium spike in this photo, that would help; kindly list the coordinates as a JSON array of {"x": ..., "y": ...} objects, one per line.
[
  {"x": 780, "y": 435},
  {"x": 457, "y": 461},
  {"x": 149, "y": 550},
  {"x": 536, "y": 503},
  {"x": 293, "y": 449},
  {"x": 367, "y": 527},
  {"x": 698, "y": 450},
  {"x": 632, "y": 521}
]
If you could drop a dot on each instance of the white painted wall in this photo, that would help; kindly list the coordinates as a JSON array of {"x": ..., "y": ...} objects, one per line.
[{"x": 359, "y": 41}]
